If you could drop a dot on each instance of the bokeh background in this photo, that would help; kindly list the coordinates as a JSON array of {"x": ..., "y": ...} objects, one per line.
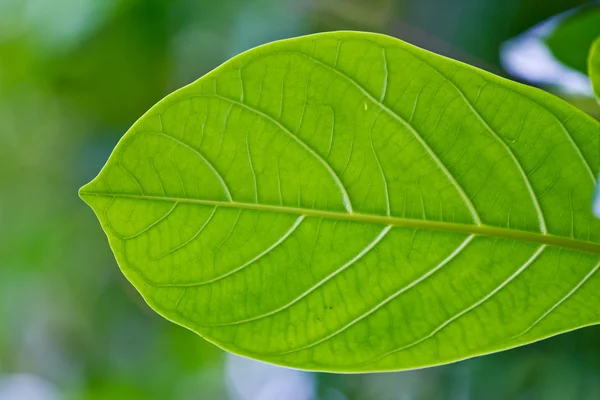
[{"x": 74, "y": 75}]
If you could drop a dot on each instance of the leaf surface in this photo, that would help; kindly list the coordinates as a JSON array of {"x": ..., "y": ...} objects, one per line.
[
  {"x": 594, "y": 72},
  {"x": 349, "y": 202},
  {"x": 594, "y": 66}
]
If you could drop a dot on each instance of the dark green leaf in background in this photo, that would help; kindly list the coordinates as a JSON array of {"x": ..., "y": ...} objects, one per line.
[
  {"x": 349, "y": 202},
  {"x": 571, "y": 39}
]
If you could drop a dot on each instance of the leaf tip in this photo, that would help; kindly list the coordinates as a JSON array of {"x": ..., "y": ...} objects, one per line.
[{"x": 85, "y": 193}]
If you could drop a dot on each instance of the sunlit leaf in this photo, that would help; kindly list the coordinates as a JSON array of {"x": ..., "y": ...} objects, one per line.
[
  {"x": 594, "y": 71},
  {"x": 349, "y": 202},
  {"x": 594, "y": 66}
]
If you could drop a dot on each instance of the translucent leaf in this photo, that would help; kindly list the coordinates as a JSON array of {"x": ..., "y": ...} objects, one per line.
[
  {"x": 594, "y": 71},
  {"x": 348, "y": 202},
  {"x": 594, "y": 66}
]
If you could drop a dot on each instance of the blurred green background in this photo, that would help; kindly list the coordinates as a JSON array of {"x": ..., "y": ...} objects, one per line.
[{"x": 74, "y": 75}]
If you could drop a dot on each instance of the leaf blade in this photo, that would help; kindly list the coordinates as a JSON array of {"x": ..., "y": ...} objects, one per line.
[
  {"x": 594, "y": 66},
  {"x": 427, "y": 152}
]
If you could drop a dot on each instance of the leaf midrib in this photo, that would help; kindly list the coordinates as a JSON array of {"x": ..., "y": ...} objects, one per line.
[{"x": 481, "y": 230}]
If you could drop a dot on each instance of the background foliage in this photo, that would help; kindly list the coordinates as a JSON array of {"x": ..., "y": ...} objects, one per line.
[{"x": 74, "y": 75}]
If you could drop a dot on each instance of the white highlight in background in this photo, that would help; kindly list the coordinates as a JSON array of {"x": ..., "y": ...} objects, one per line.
[
  {"x": 254, "y": 380},
  {"x": 528, "y": 57}
]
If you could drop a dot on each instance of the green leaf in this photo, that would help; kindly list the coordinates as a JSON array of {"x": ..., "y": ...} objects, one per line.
[
  {"x": 571, "y": 39},
  {"x": 349, "y": 202},
  {"x": 594, "y": 71},
  {"x": 594, "y": 66}
]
